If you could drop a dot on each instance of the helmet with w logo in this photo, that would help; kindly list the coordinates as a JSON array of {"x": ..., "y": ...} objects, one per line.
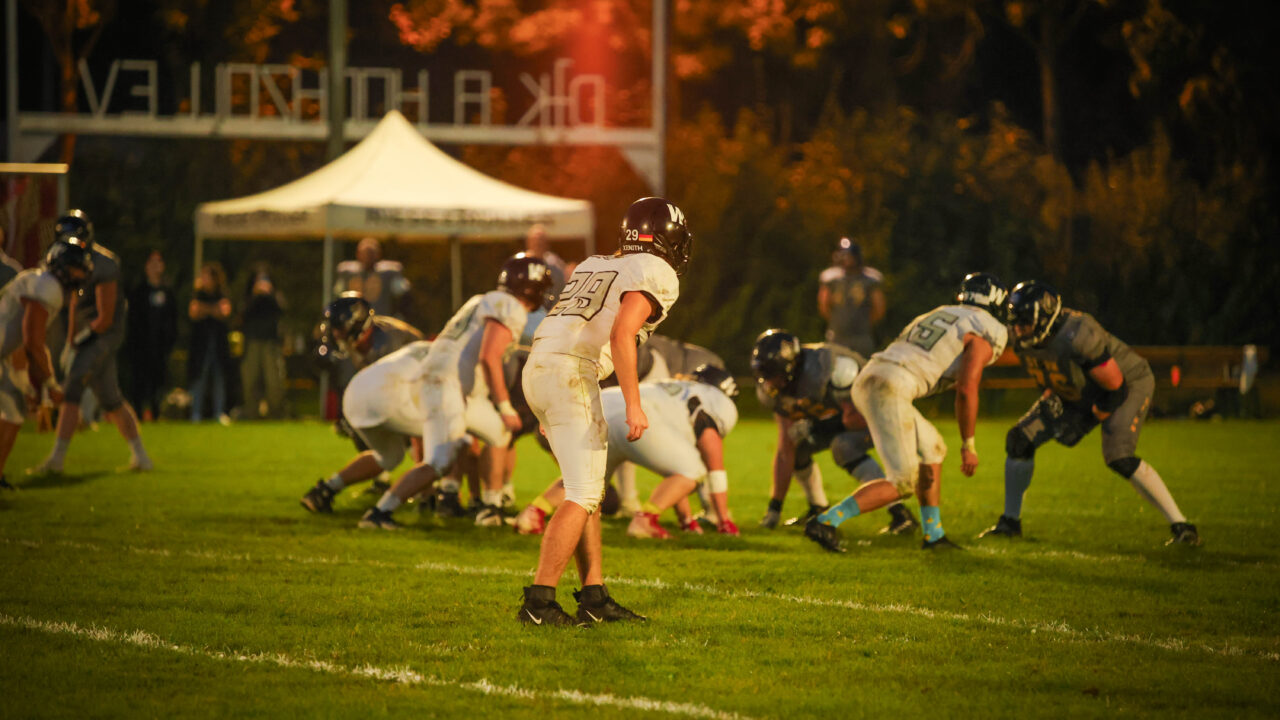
[{"x": 655, "y": 225}]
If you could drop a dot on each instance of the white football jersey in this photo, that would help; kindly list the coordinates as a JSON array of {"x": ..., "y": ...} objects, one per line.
[
  {"x": 582, "y": 319},
  {"x": 457, "y": 347},
  {"x": 388, "y": 389},
  {"x": 674, "y": 404},
  {"x": 36, "y": 284},
  {"x": 931, "y": 345}
]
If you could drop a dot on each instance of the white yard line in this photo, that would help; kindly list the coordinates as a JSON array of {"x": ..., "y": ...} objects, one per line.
[
  {"x": 399, "y": 675},
  {"x": 1059, "y": 629}
]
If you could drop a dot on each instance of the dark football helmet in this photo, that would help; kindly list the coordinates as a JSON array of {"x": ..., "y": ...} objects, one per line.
[
  {"x": 983, "y": 290},
  {"x": 775, "y": 356},
  {"x": 657, "y": 226},
  {"x": 345, "y": 321},
  {"x": 64, "y": 259},
  {"x": 527, "y": 277},
  {"x": 1035, "y": 305},
  {"x": 716, "y": 377},
  {"x": 75, "y": 223},
  {"x": 847, "y": 246}
]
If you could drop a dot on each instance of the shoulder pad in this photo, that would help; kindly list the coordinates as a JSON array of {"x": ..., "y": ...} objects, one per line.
[
  {"x": 831, "y": 274},
  {"x": 388, "y": 266},
  {"x": 872, "y": 274},
  {"x": 350, "y": 267}
]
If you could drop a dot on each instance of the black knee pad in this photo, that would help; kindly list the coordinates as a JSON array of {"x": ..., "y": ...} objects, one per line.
[
  {"x": 1017, "y": 446},
  {"x": 804, "y": 460},
  {"x": 1125, "y": 467}
]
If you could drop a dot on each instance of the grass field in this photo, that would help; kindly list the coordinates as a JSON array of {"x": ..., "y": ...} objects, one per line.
[{"x": 204, "y": 589}]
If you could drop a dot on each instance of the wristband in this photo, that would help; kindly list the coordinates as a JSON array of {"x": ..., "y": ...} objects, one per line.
[
  {"x": 506, "y": 408},
  {"x": 718, "y": 481},
  {"x": 970, "y": 445}
]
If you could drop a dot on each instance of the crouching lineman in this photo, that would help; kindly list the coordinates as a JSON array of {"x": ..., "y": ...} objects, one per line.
[
  {"x": 28, "y": 304},
  {"x": 807, "y": 389},
  {"x": 1090, "y": 378},
  {"x": 456, "y": 397},
  {"x": 608, "y": 304},
  {"x": 383, "y": 405},
  {"x": 946, "y": 347},
  {"x": 689, "y": 419}
]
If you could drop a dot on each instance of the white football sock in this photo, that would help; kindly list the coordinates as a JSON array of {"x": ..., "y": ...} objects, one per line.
[
  {"x": 811, "y": 480},
  {"x": 1149, "y": 485},
  {"x": 389, "y": 502},
  {"x": 625, "y": 476},
  {"x": 335, "y": 482}
]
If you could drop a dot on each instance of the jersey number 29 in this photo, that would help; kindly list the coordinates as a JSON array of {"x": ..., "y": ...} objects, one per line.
[{"x": 584, "y": 294}]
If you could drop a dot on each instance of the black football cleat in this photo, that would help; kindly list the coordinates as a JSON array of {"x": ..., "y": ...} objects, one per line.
[
  {"x": 319, "y": 499},
  {"x": 448, "y": 505},
  {"x": 4, "y": 484},
  {"x": 825, "y": 535},
  {"x": 540, "y": 608},
  {"x": 1004, "y": 527},
  {"x": 375, "y": 518},
  {"x": 1184, "y": 533},
  {"x": 942, "y": 543},
  {"x": 813, "y": 512},
  {"x": 901, "y": 521},
  {"x": 595, "y": 606}
]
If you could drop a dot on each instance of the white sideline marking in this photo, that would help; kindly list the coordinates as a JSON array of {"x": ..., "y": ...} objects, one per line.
[
  {"x": 1033, "y": 626},
  {"x": 399, "y": 675}
]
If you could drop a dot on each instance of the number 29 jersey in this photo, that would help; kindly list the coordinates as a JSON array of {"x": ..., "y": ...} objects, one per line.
[
  {"x": 582, "y": 319},
  {"x": 931, "y": 345}
]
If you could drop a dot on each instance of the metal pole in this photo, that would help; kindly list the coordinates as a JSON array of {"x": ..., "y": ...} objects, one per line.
[
  {"x": 199, "y": 258},
  {"x": 455, "y": 270},
  {"x": 11, "y": 66},
  {"x": 337, "y": 90},
  {"x": 660, "y": 93}
]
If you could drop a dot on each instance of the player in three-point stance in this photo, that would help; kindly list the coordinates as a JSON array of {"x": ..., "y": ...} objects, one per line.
[
  {"x": 463, "y": 386},
  {"x": 1090, "y": 378},
  {"x": 28, "y": 304},
  {"x": 807, "y": 388},
  {"x": 948, "y": 346},
  {"x": 606, "y": 307}
]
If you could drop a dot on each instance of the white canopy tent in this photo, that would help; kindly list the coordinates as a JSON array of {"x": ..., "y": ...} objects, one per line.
[{"x": 395, "y": 182}]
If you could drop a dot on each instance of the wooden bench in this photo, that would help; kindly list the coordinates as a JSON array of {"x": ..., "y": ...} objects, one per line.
[{"x": 1207, "y": 367}]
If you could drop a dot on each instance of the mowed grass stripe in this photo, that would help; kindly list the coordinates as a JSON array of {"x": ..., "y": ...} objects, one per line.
[
  {"x": 398, "y": 675},
  {"x": 1031, "y": 626}
]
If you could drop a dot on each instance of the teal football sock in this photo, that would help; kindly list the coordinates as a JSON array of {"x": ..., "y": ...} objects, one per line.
[
  {"x": 841, "y": 511},
  {"x": 931, "y": 516}
]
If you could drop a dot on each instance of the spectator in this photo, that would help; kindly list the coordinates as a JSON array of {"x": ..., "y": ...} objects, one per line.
[
  {"x": 380, "y": 282},
  {"x": 152, "y": 328},
  {"x": 263, "y": 363},
  {"x": 210, "y": 353},
  {"x": 536, "y": 245},
  {"x": 851, "y": 299}
]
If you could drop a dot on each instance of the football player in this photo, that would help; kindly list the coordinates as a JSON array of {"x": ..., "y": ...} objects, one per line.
[
  {"x": 463, "y": 388},
  {"x": 807, "y": 389},
  {"x": 689, "y": 419},
  {"x": 28, "y": 304},
  {"x": 609, "y": 306},
  {"x": 661, "y": 357},
  {"x": 1090, "y": 378},
  {"x": 95, "y": 331},
  {"x": 946, "y": 347}
]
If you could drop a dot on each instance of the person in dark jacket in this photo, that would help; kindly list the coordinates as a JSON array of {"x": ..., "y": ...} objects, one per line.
[
  {"x": 152, "y": 328},
  {"x": 262, "y": 368},
  {"x": 210, "y": 354}
]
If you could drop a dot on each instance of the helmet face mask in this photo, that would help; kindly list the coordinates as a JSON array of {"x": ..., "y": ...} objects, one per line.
[
  {"x": 774, "y": 359},
  {"x": 346, "y": 322},
  {"x": 526, "y": 277},
  {"x": 69, "y": 262},
  {"x": 983, "y": 290},
  {"x": 656, "y": 226},
  {"x": 1032, "y": 312},
  {"x": 717, "y": 377}
]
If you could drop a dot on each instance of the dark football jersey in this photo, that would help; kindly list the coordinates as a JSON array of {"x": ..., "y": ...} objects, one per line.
[
  {"x": 106, "y": 269},
  {"x": 824, "y": 374},
  {"x": 1063, "y": 363}
]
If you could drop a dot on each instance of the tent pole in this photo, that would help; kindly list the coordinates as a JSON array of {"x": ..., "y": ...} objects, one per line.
[
  {"x": 589, "y": 242},
  {"x": 326, "y": 294},
  {"x": 455, "y": 270},
  {"x": 199, "y": 259}
]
